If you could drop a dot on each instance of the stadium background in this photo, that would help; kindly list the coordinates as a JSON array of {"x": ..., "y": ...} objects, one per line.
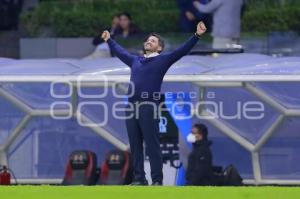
[{"x": 37, "y": 153}]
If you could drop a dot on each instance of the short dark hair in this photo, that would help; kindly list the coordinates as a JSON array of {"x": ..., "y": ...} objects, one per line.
[
  {"x": 160, "y": 40},
  {"x": 202, "y": 129},
  {"x": 126, "y": 14}
]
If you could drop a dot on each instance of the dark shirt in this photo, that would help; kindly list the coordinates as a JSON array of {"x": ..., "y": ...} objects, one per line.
[
  {"x": 200, "y": 168},
  {"x": 134, "y": 31},
  {"x": 147, "y": 73}
]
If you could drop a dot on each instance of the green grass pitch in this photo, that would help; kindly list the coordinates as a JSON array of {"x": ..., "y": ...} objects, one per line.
[{"x": 149, "y": 192}]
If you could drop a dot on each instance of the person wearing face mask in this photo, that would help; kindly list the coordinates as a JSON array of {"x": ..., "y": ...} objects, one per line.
[{"x": 200, "y": 168}]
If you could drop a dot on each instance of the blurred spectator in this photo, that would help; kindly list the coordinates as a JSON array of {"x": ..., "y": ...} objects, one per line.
[
  {"x": 115, "y": 27},
  {"x": 226, "y": 21},
  {"x": 122, "y": 27},
  {"x": 190, "y": 16},
  {"x": 127, "y": 27},
  {"x": 102, "y": 49}
]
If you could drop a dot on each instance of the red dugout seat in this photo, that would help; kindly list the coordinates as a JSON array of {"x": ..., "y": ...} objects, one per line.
[
  {"x": 116, "y": 169},
  {"x": 81, "y": 169}
]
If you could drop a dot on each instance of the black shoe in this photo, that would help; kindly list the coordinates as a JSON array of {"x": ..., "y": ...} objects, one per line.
[
  {"x": 157, "y": 183},
  {"x": 139, "y": 183}
]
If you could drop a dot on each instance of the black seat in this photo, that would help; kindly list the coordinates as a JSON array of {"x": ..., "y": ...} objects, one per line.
[
  {"x": 116, "y": 169},
  {"x": 81, "y": 169}
]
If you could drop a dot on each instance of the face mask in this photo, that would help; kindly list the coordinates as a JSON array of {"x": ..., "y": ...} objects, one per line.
[{"x": 191, "y": 138}]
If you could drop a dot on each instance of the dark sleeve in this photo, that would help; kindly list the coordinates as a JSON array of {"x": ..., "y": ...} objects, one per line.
[
  {"x": 97, "y": 40},
  {"x": 120, "y": 52},
  {"x": 199, "y": 15},
  {"x": 183, "y": 49},
  {"x": 189, "y": 171},
  {"x": 200, "y": 168}
]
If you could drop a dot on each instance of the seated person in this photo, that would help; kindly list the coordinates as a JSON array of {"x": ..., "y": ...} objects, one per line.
[
  {"x": 115, "y": 27},
  {"x": 127, "y": 27},
  {"x": 200, "y": 168},
  {"x": 102, "y": 49},
  {"x": 122, "y": 27}
]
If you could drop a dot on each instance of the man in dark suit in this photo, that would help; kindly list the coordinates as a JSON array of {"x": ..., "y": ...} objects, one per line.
[{"x": 147, "y": 73}]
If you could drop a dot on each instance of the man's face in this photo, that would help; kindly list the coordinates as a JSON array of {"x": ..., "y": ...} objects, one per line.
[
  {"x": 152, "y": 45},
  {"x": 197, "y": 134}
]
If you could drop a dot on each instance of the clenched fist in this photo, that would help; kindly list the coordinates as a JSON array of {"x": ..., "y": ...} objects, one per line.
[
  {"x": 201, "y": 28},
  {"x": 105, "y": 35}
]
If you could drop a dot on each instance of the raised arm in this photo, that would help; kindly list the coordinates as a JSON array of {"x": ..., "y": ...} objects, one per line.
[
  {"x": 188, "y": 45},
  {"x": 119, "y": 51}
]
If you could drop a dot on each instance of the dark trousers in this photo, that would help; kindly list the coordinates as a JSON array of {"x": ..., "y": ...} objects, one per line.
[{"x": 142, "y": 126}]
